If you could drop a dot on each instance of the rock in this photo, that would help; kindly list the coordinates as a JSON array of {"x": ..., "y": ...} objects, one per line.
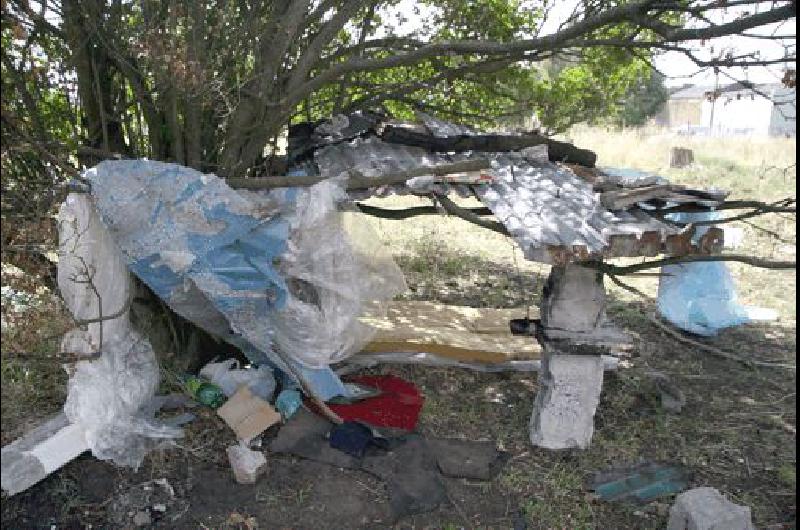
[
  {"x": 672, "y": 398},
  {"x": 707, "y": 509},
  {"x": 142, "y": 519},
  {"x": 247, "y": 465}
]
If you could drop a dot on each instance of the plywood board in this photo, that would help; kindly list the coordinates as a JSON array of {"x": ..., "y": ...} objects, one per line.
[{"x": 457, "y": 332}]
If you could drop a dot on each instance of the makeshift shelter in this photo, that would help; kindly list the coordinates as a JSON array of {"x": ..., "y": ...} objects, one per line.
[{"x": 276, "y": 267}]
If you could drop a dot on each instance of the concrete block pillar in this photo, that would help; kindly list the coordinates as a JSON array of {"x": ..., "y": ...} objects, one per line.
[
  {"x": 569, "y": 391},
  {"x": 574, "y": 334},
  {"x": 574, "y": 299}
]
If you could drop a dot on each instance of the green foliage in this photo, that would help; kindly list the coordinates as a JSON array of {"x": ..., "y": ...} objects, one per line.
[
  {"x": 643, "y": 102},
  {"x": 210, "y": 84},
  {"x": 34, "y": 109}
]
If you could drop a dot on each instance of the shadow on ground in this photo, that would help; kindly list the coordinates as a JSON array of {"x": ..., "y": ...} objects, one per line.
[{"x": 735, "y": 434}]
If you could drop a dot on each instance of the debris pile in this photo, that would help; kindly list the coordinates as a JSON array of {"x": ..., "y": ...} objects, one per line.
[{"x": 283, "y": 269}]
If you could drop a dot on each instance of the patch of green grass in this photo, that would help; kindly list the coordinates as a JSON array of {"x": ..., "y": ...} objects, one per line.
[
  {"x": 432, "y": 256},
  {"x": 544, "y": 514},
  {"x": 787, "y": 474}
]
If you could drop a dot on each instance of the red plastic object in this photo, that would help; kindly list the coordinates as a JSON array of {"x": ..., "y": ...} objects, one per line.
[{"x": 397, "y": 407}]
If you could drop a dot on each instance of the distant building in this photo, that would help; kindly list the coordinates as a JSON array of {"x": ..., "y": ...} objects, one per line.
[{"x": 764, "y": 110}]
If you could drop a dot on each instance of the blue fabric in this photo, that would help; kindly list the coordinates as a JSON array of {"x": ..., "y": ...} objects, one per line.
[{"x": 354, "y": 438}]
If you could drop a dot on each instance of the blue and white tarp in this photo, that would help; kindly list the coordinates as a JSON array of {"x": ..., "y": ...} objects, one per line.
[
  {"x": 200, "y": 246},
  {"x": 228, "y": 261}
]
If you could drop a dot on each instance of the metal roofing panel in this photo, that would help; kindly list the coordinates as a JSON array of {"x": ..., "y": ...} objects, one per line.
[{"x": 552, "y": 213}]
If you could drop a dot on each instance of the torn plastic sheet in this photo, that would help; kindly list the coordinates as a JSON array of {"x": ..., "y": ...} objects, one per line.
[
  {"x": 109, "y": 397},
  {"x": 281, "y": 271},
  {"x": 338, "y": 273},
  {"x": 701, "y": 297},
  {"x": 168, "y": 218},
  {"x": 206, "y": 250}
]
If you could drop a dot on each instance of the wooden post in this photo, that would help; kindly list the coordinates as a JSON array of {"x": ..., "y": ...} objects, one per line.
[{"x": 680, "y": 157}]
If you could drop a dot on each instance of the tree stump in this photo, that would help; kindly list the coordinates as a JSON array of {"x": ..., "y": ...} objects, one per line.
[{"x": 680, "y": 157}]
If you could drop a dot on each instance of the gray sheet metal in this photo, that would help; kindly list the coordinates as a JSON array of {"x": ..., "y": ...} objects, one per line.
[{"x": 544, "y": 206}]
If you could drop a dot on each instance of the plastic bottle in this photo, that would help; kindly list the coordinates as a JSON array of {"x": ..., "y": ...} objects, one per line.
[{"x": 204, "y": 392}]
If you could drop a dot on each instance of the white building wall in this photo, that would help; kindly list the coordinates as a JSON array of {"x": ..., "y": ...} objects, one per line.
[
  {"x": 784, "y": 114},
  {"x": 747, "y": 114}
]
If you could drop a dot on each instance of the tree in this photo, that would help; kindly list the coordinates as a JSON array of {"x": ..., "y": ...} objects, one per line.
[
  {"x": 643, "y": 102},
  {"x": 212, "y": 83}
]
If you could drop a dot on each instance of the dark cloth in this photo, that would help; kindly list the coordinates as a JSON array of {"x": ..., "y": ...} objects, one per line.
[
  {"x": 355, "y": 438},
  {"x": 411, "y": 466}
]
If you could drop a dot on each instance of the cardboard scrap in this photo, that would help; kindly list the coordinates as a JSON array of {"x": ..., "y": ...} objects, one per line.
[{"x": 248, "y": 415}]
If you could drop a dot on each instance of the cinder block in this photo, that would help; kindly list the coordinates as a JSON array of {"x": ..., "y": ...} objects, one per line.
[{"x": 563, "y": 412}]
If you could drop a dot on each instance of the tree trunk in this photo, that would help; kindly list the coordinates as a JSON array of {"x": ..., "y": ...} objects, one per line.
[{"x": 103, "y": 129}]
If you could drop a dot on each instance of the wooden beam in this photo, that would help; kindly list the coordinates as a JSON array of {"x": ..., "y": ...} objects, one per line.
[{"x": 359, "y": 181}]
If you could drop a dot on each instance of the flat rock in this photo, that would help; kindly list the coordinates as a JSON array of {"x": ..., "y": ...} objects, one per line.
[{"x": 707, "y": 509}]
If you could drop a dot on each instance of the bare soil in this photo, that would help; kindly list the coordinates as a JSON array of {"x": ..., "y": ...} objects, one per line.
[{"x": 735, "y": 434}]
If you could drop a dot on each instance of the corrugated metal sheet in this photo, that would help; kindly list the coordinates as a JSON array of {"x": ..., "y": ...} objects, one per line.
[
  {"x": 553, "y": 214},
  {"x": 444, "y": 129},
  {"x": 373, "y": 157}
]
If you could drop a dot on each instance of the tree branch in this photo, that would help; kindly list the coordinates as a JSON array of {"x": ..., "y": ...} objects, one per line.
[
  {"x": 622, "y": 270},
  {"x": 358, "y": 181},
  {"x": 454, "y": 209},
  {"x": 405, "y": 213}
]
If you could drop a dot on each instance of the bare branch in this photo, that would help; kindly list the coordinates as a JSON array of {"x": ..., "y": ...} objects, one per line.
[
  {"x": 454, "y": 209},
  {"x": 622, "y": 270},
  {"x": 405, "y": 213}
]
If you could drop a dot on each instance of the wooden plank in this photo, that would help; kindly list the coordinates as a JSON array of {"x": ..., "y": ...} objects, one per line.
[{"x": 462, "y": 333}]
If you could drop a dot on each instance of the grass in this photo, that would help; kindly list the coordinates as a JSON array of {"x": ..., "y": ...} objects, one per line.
[{"x": 735, "y": 433}]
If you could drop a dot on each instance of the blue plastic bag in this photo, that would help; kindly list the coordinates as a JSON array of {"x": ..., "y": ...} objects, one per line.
[{"x": 700, "y": 297}]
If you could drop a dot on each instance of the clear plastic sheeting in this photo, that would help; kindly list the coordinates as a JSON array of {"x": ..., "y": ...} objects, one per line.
[
  {"x": 337, "y": 271},
  {"x": 108, "y": 396},
  {"x": 701, "y": 297},
  {"x": 283, "y": 275}
]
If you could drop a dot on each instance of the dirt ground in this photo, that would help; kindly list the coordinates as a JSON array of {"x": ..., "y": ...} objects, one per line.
[{"x": 736, "y": 433}]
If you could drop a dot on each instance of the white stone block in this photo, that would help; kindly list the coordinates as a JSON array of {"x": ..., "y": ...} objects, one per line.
[{"x": 247, "y": 465}]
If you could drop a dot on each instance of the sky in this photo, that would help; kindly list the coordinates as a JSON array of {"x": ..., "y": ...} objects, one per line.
[{"x": 678, "y": 68}]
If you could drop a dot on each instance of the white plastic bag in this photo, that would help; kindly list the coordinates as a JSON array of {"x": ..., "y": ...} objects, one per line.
[
  {"x": 701, "y": 297},
  {"x": 229, "y": 377}
]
